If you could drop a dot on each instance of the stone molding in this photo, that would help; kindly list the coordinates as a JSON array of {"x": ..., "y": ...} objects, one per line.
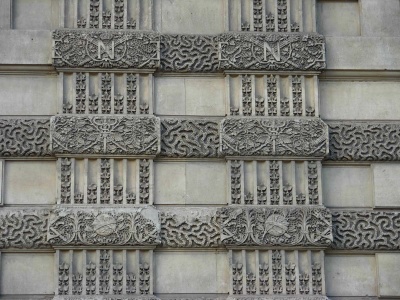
[
  {"x": 106, "y": 297},
  {"x": 24, "y": 137},
  {"x": 366, "y": 230},
  {"x": 260, "y": 136},
  {"x": 280, "y": 226},
  {"x": 364, "y": 141},
  {"x": 189, "y": 297},
  {"x": 121, "y": 49},
  {"x": 121, "y": 135},
  {"x": 106, "y": 226}
]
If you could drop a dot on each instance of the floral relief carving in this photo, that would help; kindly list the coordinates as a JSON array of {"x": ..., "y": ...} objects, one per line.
[
  {"x": 105, "y": 135},
  {"x": 274, "y": 136}
]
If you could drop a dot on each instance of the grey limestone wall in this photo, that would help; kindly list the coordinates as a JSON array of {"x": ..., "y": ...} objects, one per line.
[{"x": 186, "y": 149}]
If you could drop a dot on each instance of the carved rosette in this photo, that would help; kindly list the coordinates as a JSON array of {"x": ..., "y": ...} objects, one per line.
[
  {"x": 127, "y": 135},
  {"x": 282, "y": 226},
  {"x": 271, "y": 51},
  {"x": 258, "y": 136},
  {"x": 106, "y": 49},
  {"x": 106, "y": 226}
]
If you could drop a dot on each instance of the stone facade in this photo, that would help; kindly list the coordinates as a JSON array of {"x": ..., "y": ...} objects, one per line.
[{"x": 214, "y": 149}]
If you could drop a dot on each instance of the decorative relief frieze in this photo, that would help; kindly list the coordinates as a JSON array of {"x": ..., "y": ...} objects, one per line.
[
  {"x": 277, "y": 297},
  {"x": 24, "y": 137},
  {"x": 189, "y": 138},
  {"x": 364, "y": 141},
  {"x": 366, "y": 230},
  {"x": 296, "y": 226},
  {"x": 107, "y": 226},
  {"x": 271, "y": 51},
  {"x": 23, "y": 228},
  {"x": 116, "y": 297},
  {"x": 107, "y": 49},
  {"x": 105, "y": 135},
  {"x": 274, "y": 137},
  {"x": 189, "y": 53},
  {"x": 190, "y": 227}
]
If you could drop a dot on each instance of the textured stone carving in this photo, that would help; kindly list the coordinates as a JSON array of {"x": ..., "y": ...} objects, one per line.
[
  {"x": 105, "y": 135},
  {"x": 111, "y": 297},
  {"x": 194, "y": 227},
  {"x": 364, "y": 141},
  {"x": 366, "y": 230},
  {"x": 106, "y": 49},
  {"x": 274, "y": 136},
  {"x": 297, "y": 226},
  {"x": 276, "y": 297},
  {"x": 189, "y": 138},
  {"x": 23, "y": 228},
  {"x": 104, "y": 227},
  {"x": 144, "y": 181},
  {"x": 271, "y": 51},
  {"x": 189, "y": 53},
  {"x": 20, "y": 137}
]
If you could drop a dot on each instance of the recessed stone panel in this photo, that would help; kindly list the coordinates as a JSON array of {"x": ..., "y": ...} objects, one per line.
[
  {"x": 386, "y": 184},
  {"x": 388, "y": 274}
]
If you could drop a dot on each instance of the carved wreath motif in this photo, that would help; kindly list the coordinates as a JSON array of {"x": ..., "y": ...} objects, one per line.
[
  {"x": 274, "y": 136},
  {"x": 105, "y": 134}
]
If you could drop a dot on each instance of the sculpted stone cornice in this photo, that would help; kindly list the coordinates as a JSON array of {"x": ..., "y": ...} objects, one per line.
[
  {"x": 279, "y": 136},
  {"x": 364, "y": 140},
  {"x": 106, "y": 297},
  {"x": 119, "y": 49},
  {"x": 366, "y": 230},
  {"x": 24, "y": 137},
  {"x": 106, "y": 226},
  {"x": 307, "y": 226},
  {"x": 23, "y": 228},
  {"x": 124, "y": 135},
  {"x": 189, "y": 137},
  {"x": 189, "y": 297},
  {"x": 107, "y": 49}
]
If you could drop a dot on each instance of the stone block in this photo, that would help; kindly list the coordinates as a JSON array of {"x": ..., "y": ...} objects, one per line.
[
  {"x": 190, "y": 16},
  {"x": 25, "y": 47},
  {"x": 350, "y": 275},
  {"x": 380, "y": 18},
  {"x": 388, "y": 274},
  {"x": 28, "y": 95},
  {"x": 191, "y": 272},
  {"x": 27, "y": 273},
  {"x": 386, "y": 184},
  {"x": 344, "y": 53},
  {"x": 34, "y": 14},
  {"x": 190, "y": 96},
  {"x": 344, "y": 100},
  {"x": 190, "y": 183},
  {"x": 328, "y": 14},
  {"x": 30, "y": 182},
  {"x": 347, "y": 186}
]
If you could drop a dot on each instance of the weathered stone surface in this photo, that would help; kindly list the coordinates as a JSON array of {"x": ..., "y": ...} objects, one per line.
[
  {"x": 105, "y": 135},
  {"x": 273, "y": 297},
  {"x": 23, "y": 228},
  {"x": 189, "y": 138},
  {"x": 107, "y": 226},
  {"x": 366, "y": 230},
  {"x": 274, "y": 137},
  {"x": 24, "y": 137},
  {"x": 281, "y": 226},
  {"x": 364, "y": 141},
  {"x": 190, "y": 227},
  {"x": 271, "y": 51},
  {"x": 106, "y": 49},
  {"x": 106, "y": 297}
]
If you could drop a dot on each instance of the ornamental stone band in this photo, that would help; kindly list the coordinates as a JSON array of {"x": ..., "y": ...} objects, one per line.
[{"x": 120, "y": 135}]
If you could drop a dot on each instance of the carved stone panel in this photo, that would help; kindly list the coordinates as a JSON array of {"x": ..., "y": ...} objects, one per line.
[
  {"x": 364, "y": 141},
  {"x": 271, "y": 51},
  {"x": 23, "y": 228},
  {"x": 106, "y": 49},
  {"x": 190, "y": 227},
  {"x": 107, "y": 226},
  {"x": 127, "y": 135},
  {"x": 254, "y": 136},
  {"x": 366, "y": 230},
  {"x": 25, "y": 137},
  {"x": 189, "y": 138},
  {"x": 297, "y": 226}
]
